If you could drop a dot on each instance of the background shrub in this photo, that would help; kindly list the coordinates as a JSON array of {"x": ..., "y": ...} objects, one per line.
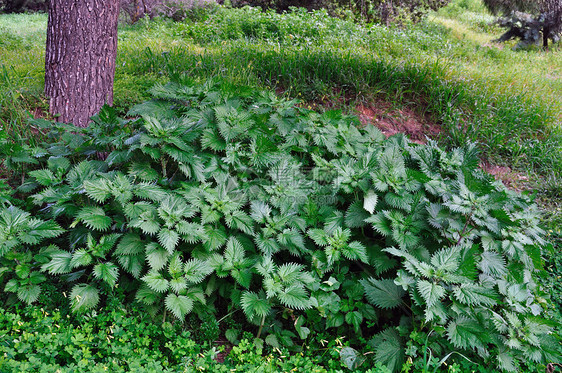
[
  {"x": 385, "y": 11},
  {"x": 18, "y": 6}
]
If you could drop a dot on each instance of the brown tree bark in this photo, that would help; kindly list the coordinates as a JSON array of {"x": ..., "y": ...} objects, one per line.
[{"x": 80, "y": 57}]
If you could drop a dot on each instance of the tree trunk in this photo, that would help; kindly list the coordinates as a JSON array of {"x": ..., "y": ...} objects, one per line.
[{"x": 80, "y": 57}]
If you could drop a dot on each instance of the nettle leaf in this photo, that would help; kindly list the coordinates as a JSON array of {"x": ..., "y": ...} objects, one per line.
[
  {"x": 355, "y": 251},
  {"x": 234, "y": 253},
  {"x": 370, "y": 201},
  {"x": 446, "y": 259},
  {"x": 84, "y": 297},
  {"x": 492, "y": 263},
  {"x": 80, "y": 257},
  {"x": 178, "y": 284},
  {"x": 380, "y": 223},
  {"x": 318, "y": 236},
  {"x": 147, "y": 295},
  {"x": 290, "y": 237},
  {"x": 28, "y": 293},
  {"x": 59, "y": 263},
  {"x": 132, "y": 264},
  {"x": 169, "y": 239},
  {"x": 241, "y": 221},
  {"x": 22, "y": 270},
  {"x": 267, "y": 246},
  {"x": 260, "y": 211},
  {"x": 130, "y": 244},
  {"x": 12, "y": 286},
  {"x": 175, "y": 266},
  {"x": 214, "y": 238},
  {"x": 295, "y": 296},
  {"x": 290, "y": 272},
  {"x": 94, "y": 218},
  {"x": 99, "y": 190},
  {"x": 143, "y": 171},
  {"x": 473, "y": 295},
  {"x": 383, "y": 293},
  {"x": 156, "y": 281},
  {"x": 39, "y": 230},
  {"x": 388, "y": 349},
  {"x": 506, "y": 361},
  {"x": 355, "y": 215},
  {"x": 465, "y": 332},
  {"x": 191, "y": 232},
  {"x": 254, "y": 305},
  {"x": 150, "y": 191},
  {"x": 156, "y": 256},
  {"x": 44, "y": 177},
  {"x": 195, "y": 270},
  {"x": 107, "y": 272},
  {"x": 242, "y": 276},
  {"x": 179, "y": 305},
  {"x": 430, "y": 292}
]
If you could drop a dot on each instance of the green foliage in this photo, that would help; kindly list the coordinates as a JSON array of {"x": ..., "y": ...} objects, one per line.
[
  {"x": 303, "y": 221},
  {"x": 387, "y": 12},
  {"x": 127, "y": 340}
]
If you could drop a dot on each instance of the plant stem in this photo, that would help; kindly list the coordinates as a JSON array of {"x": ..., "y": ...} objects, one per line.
[{"x": 261, "y": 326}]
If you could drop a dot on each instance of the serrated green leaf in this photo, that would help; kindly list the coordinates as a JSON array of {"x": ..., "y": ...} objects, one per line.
[
  {"x": 156, "y": 256},
  {"x": 107, "y": 272},
  {"x": 383, "y": 293},
  {"x": 28, "y": 293},
  {"x": 295, "y": 296},
  {"x": 44, "y": 177},
  {"x": 80, "y": 257},
  {"x": 179, "y": 305},
  {"x": 59, "y": 263},
  {"x": 430, "y": 292},
  {"x": 98, "y": 190},
  {"x": 473, "y": 295},
  {"x": 355, "y": 251},
  {"x": 465, "y": 333},
  {"x": 147, "y": 295},
  {"x": 169, "y": 239},
  {"x": 195, "y": 270},
  {"x": 84, "y": 297},
  {"x": 370, "y": 201},
  {"x": 94, "y": 218},
  {"x": 254, "y": 305},
  {"x": 178, "y": 284},
  {"x": 156, "y": 281}
]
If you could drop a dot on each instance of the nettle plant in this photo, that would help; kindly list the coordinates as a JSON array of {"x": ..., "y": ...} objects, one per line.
[{"x": 217, "y": 199}]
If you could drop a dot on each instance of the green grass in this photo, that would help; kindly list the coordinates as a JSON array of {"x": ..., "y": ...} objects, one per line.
[{"x": 508, "y": 101}]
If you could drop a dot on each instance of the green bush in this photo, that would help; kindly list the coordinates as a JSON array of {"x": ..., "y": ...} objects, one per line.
[
  {"x": 397, "y": 12},
  {"x": 120, "y": 340},
  {"x": 220, "y": 199}
]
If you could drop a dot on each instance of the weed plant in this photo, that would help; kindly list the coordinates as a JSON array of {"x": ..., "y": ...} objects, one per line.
[{"x": 220, "y": 199}]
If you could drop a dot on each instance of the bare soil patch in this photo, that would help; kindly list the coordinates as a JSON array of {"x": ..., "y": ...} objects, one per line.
[
  {"x": 511, "y": 179},
  {"x": 391, "y": 121}
]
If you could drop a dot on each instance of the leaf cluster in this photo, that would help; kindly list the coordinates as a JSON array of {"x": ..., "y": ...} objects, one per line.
[{"x": 215, "y": 199}]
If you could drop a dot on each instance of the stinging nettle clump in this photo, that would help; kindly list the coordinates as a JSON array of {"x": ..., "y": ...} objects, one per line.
[{"x": 216, "y": 201}]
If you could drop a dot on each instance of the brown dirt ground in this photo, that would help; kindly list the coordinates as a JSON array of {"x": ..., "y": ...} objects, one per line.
[{"x": 392, "y": 121}]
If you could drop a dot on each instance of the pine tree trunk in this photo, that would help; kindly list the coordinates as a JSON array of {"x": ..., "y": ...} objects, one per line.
[{"x": 80, "y": 57}]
